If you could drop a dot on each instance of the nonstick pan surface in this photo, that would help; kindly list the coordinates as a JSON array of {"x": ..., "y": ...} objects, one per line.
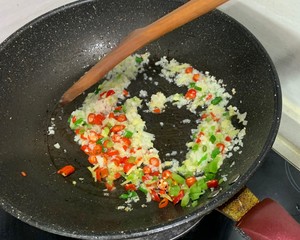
[{"x": 41, "y": 60}]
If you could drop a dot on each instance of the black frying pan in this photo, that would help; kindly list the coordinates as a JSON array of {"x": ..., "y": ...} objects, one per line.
[{"x": 41, "y": 60}]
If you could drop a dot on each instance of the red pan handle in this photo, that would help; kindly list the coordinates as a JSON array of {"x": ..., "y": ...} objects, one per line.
[
  {"x": 261, "y": 220},
  {"x": 268, "y": 220}
]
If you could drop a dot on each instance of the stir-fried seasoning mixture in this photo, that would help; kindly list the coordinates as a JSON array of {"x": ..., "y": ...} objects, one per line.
[{"x": 112, "y": 133}]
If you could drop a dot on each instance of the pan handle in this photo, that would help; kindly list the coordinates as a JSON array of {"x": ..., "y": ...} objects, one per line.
[
  {"x": 261, "y": 220},
  {"x": 269, "y": 220}
]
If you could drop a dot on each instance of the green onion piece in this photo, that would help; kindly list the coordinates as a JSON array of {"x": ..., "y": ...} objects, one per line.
[
  {"x": 131, "y": 177},
  {"x": 119, "y": 76},
  {"x": 203, "y": 184},
  {"x": 81, "y": 131},
  {"x": 124, "y": 196},
  {"x": 185, "y": 200},
  {"x": 144, "y": 190},
  {"x": 213, "y": 166},
  {"x": 204, "y": 148},
  {"x": 124, "y": 108},
  {"x": 178, "y": 178},
  {"x": 195, "y": 196},
  {"x": 212, "y": 138},
  {"x": 203, "y": 158},
  {"x": 101, "y": 140},
  {"x": 97, "y": 90},
  {"x": 154, "y": 178},
  {"x": 128, "y": 134},
  {"x": 131, "y": 159},
  {"x": 188, "y": 174},
  {"x": 195, "y": 147},
  {"x": 169, "y": 181},
  {"x": 110, "y": 144},
  {"x": 221, "y": 181},
  {"x": 215, "y": 152},
  {"x": 69, "y": 119},
  {"x": 198, "y": 88},
  {"x": 105, "y": 131},
  {"x": 195, "y": 188},
  {"x": 129, "y": 194},
  {"x": 216, "y": 100},
  {"x": 79, "y": 122},
  {"x": 192, "y": 85},
  {"x": 209, "y": 176},
  {"x": 174, "y": 190},
  {"x": 194, "y": 203},
  {"x": 104, "y": 149},
  {"x": 138, "y": 59},
  {"x": 132, "y": 194}
]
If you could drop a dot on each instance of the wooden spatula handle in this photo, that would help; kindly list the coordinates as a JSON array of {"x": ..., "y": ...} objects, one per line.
[{"x": 137, "y": 39}]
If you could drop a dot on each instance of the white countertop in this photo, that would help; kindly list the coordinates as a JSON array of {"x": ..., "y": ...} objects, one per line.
[{"x": 275, "y": 23}]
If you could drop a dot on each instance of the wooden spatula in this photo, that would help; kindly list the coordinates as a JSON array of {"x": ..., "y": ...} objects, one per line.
[{"x": 137, "y": 39}]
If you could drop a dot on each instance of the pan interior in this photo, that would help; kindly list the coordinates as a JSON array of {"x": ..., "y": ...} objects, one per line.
[{"x": 38, "y": 63}]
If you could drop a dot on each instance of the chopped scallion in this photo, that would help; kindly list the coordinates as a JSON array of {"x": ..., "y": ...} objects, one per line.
[
  {"x": 212, "y": 138},
  {"x": 138, "y": 59},
  {"x": 128, "y": 134},
  {"x": 195, "y": 147},
  {"x": 174, "y": 190},
  {"x": 216, "y": 100},
  {"x": 215, "y": 152},
  {"x": 185, "y": 200},
  {"x": 97, "y": 91},
  {"x": 193, "y": 85},
  {"x": 178, "y": 178},
  {"x": 79, "y": 122}
]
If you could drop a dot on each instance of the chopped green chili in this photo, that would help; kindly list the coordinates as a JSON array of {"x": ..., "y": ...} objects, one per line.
[
  {"x": 178, "y": 178},
  {"x": 174, "y": 190}
]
